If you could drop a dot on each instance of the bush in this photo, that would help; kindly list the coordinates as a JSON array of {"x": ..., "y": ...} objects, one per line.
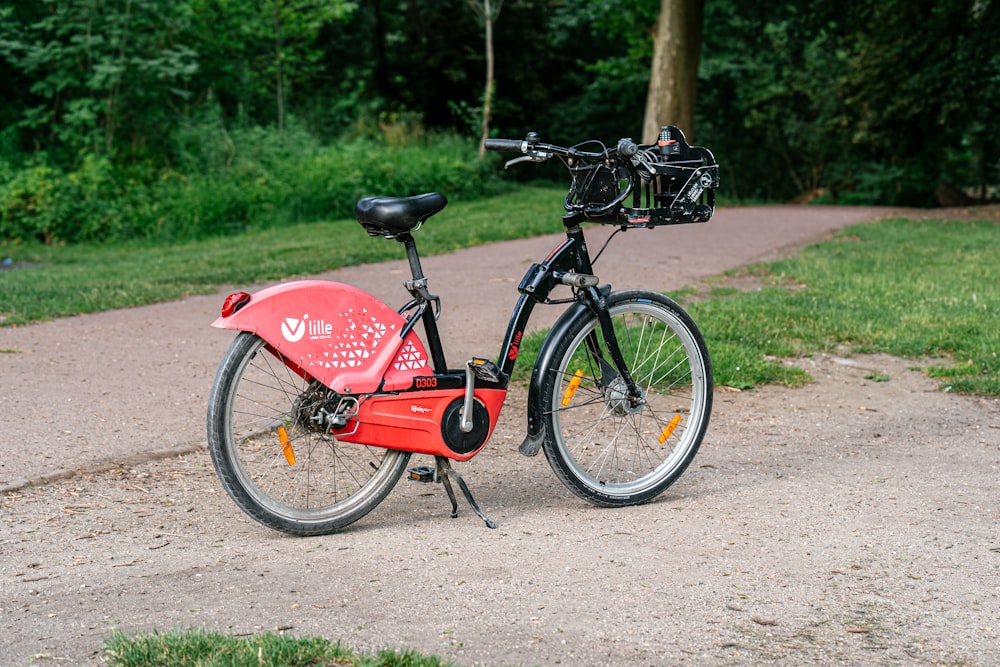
[
  {"x": 228, "y": 182},
  {"x": 878, "y": 183},
  {"x": 267, "y": 185},
  {"x": 44, "y": 203}
]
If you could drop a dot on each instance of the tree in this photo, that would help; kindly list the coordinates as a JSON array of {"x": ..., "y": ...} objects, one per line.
[
  {"x": 106, "y": 74},
  {"x": 290, "y": 28},
  {"x": 674, "y": 73},
  {"x": 489, "y": 12}
]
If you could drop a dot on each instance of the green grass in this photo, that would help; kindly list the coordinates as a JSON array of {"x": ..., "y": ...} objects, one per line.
[
  {"x": 212, "y": 649},
  {"x": 925, "y": 290},
  {"x": 68, "y": 280}
]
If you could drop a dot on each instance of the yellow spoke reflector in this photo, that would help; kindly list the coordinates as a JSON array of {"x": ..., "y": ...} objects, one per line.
[
  {"x": 669, "y": 428},
  {"x": 286, "y": 445},
  {"x": 574, "y": 384}
]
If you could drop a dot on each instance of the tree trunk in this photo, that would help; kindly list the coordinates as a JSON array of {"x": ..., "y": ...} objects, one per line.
[
  {"x": 488, "y": 94},
  {"x": 676, "y": 52}
]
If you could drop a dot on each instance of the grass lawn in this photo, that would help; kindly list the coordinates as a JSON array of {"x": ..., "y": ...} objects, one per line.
[
  {"x": 212, "y": 649},
  {"x": 926, "y": 290}
]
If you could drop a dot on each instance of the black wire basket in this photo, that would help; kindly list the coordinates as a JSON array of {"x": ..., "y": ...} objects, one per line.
[{"x": 676, "y": 185}]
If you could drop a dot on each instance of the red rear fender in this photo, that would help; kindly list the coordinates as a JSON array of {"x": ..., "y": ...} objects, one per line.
[{"x": 344, "y": 337}]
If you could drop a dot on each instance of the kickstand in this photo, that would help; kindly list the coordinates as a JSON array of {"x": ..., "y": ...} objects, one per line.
[{"x": 445, "y": 472}]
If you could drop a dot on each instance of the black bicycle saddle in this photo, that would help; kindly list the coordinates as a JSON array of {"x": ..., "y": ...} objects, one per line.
[{"x": 389, "y": 216}]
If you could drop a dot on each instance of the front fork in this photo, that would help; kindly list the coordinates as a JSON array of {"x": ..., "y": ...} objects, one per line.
[
  {"x": 597, "y": 303},
  {"x": 569, "y": 264}
]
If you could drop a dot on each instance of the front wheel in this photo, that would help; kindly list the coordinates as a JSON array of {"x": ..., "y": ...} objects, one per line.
[
  {"x": 273, "y": 455},
  {"x": 613, "y": 448}
]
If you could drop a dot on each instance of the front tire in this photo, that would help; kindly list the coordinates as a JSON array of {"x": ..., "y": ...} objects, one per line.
[
  {"x": 274, "y": 461},
  {"x": 605, "y": 448}
]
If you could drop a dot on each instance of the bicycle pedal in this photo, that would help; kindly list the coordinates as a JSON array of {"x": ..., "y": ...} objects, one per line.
[
  {"x": 423, "y": 474},
  {"x": 484, "y": 369}
]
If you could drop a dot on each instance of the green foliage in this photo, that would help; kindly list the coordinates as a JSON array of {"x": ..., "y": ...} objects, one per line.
[
  {"x": 94, "y": 201},
  {"x": 265, "y": 49},
  {"x": 611, "y": 43},
  {"x": 879, "y": 102},
  {"x": 272, "y": 178},
  {"x": 232, "y": 181},
  {"x": 107, "y": 75},
  {"x": 882, "y": 102}
]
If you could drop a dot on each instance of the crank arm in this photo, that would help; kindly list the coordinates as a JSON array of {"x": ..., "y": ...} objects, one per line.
[
  {"x": 470, "y": 387},
  {"x": 485, "y": 370}
]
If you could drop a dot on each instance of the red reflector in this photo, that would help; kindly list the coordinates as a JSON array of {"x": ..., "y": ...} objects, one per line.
[{"x": 234, "y": 302}]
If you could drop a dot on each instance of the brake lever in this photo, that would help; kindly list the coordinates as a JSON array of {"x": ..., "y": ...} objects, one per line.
[
  {"x": 643, "y": 165},
  {"x": 532, "y": 157}
]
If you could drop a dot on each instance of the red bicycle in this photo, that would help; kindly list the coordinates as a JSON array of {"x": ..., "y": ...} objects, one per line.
[{"x": 326, "y": 391}]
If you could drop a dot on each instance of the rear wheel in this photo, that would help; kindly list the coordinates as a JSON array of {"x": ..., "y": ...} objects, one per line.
[
  {"x": 271, "y": 452},
  {"x": 608, "y": 447}
]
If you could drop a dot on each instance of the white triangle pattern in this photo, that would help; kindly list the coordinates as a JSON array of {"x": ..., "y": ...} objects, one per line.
[
  {"x": 409, "y": 358},
  {"x": 356, "y": 343}
]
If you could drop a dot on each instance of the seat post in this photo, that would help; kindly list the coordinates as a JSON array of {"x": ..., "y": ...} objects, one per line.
[
  {"x": 412, "y": 255},
  {"x": 418, "y": 288}
]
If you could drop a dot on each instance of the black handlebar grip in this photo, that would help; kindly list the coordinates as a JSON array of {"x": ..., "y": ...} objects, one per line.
[
  {"x": 505, "y": 145},
  {"x": 627, "y": 148}
]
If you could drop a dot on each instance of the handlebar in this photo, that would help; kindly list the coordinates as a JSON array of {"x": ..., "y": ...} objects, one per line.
[
  {"x": 576, "y": 160},
  {"x": 677, "y": 180},
  {"x": 506, "y": 145},
  {"x": 531, "y": 147}
]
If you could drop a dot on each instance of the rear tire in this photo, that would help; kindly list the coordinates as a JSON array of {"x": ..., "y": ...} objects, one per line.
[
  {"x": 258, "y": 412},
  {"x": 603, "y": 447}
]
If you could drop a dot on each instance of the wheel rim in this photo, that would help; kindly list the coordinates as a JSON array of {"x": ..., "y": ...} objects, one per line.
[
  {"x": 624, "y": 449},
  {"x": 284, "y": 463}
]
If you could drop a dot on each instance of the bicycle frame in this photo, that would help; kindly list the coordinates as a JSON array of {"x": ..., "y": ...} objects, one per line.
[
  {"x": 321, "y": 365},
  {"x": 360, "y": 348}
]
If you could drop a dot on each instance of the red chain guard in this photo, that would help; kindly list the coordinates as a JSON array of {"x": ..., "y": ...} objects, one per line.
[{"x": 411, "y": 421}]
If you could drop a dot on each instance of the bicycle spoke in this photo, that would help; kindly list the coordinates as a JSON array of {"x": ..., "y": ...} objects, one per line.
[
  {"x": 615, "y": 446},
  {"x": 270, "y": 450}
]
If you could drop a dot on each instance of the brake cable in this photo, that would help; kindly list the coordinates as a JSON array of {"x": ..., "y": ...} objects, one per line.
[{"x": 603, "y": 247}]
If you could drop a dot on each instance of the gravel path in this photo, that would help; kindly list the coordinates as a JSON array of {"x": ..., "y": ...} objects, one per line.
[{"x": 850, "y": 521}]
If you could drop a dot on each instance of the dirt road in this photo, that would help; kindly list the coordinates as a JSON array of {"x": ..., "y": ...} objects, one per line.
[{"x": 850, "y": 521}]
